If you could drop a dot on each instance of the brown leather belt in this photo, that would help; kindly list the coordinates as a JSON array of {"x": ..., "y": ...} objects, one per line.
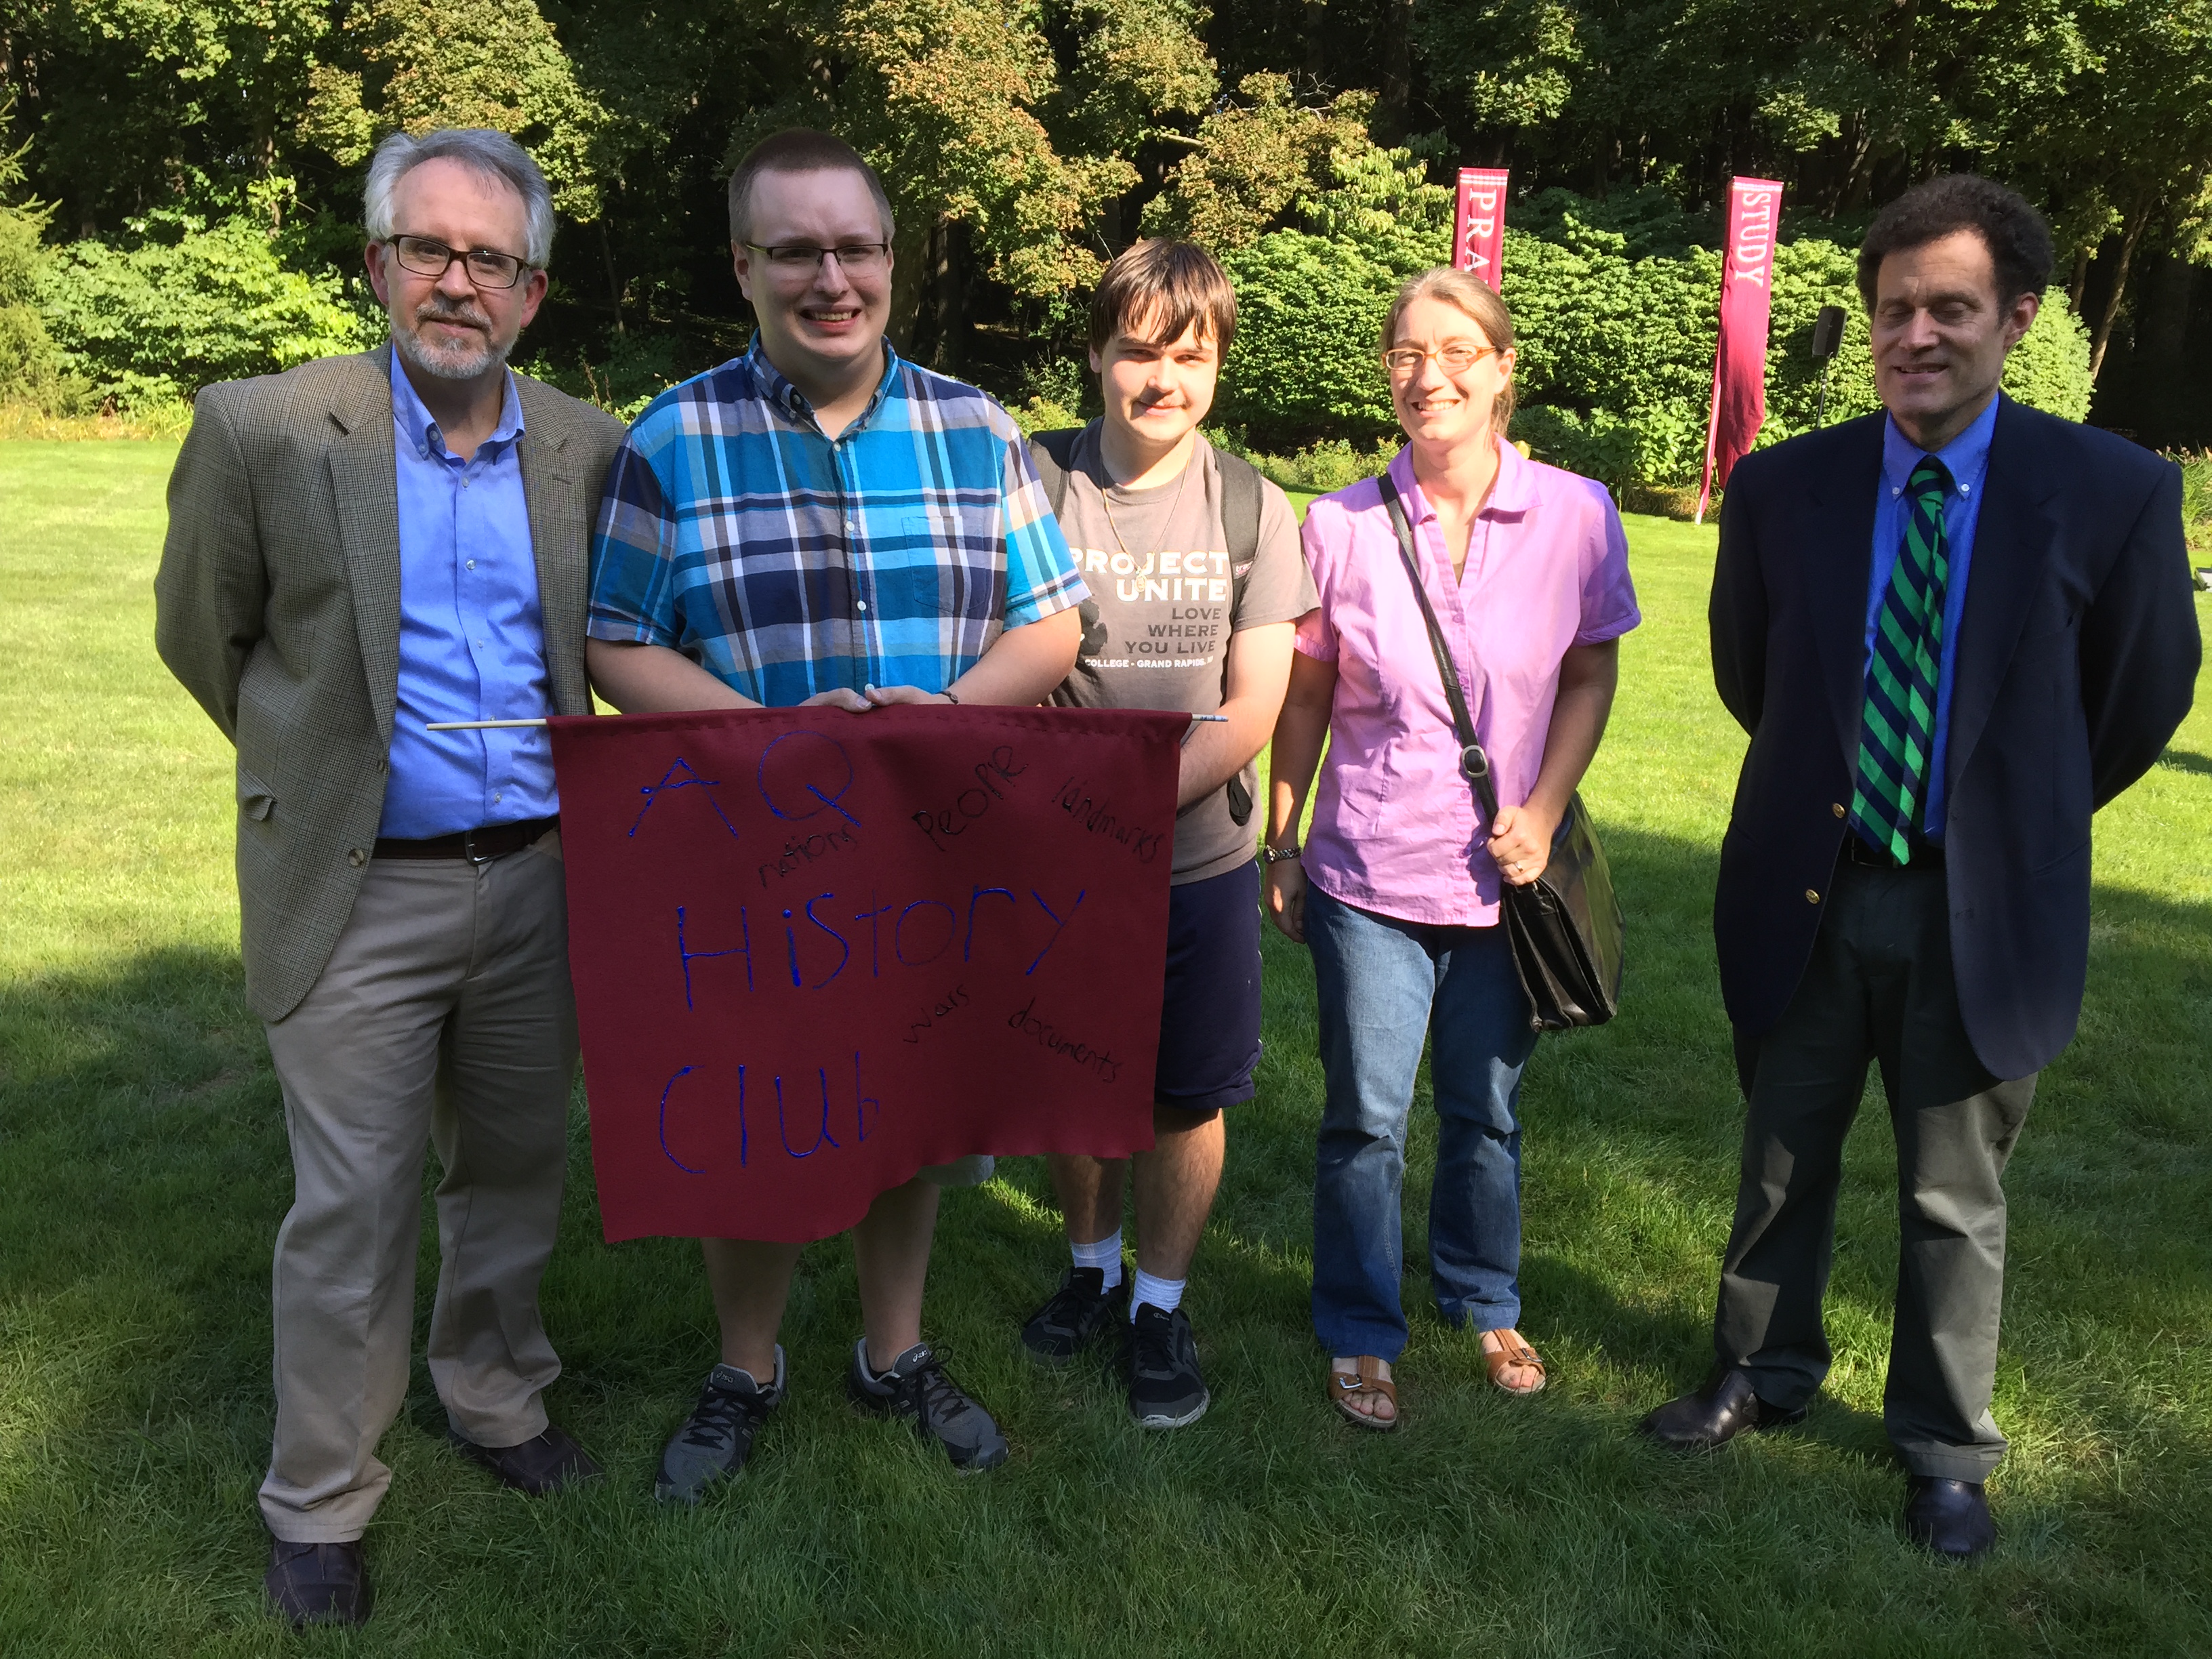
[
  {"x": 477, "y": 846},
  {"x": 1925, "y": 855}
]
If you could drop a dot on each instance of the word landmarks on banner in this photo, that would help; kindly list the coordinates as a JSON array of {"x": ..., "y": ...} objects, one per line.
[
  {"x": 814, "y": 952},
  {"x": 1739, "y": 406},
  {"x": 1479, "y": 223}
]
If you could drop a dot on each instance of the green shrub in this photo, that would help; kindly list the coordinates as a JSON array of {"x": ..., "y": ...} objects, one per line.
[
  {"x": 1615, "y": 316},
  {"x": 30, "y": 367},
  {"x": 190, "y": 304},
  {"x": 1304, "y": 365}
]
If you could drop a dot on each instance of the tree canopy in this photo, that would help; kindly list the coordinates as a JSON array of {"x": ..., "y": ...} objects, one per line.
[{"x": 1025, "y": 141}]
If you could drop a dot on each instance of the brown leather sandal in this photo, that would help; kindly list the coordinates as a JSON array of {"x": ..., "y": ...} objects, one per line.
[
  {"x": 1512, "y": 1351},
  {"x": 1367, "y": 1380}
]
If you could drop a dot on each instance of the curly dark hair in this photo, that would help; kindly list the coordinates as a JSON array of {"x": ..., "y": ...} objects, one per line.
[{"x": 2017, "y": 240}]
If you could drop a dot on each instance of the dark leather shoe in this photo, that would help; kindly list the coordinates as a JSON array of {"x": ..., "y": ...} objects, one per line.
[
  {"x": 1951, "y": 1517},
  {"x": 1723, "y": 1408},
  {"x": 319, "y": 1583},
  {"x": 545, "y": 1464}
]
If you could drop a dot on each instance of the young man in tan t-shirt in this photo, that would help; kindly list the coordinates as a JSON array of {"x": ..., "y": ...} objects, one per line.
[{"x": 1197, "y": 581}]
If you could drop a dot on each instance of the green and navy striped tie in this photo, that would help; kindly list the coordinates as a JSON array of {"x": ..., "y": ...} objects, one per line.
[{"x": 1897, "y": 727}]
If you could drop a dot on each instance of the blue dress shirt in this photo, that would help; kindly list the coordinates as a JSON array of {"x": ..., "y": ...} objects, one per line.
[
  {"x": 1967, "y": 457},
  {"x": 472, "y": 639}
]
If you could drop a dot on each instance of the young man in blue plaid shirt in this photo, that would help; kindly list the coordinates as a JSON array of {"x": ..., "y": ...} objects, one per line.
[{"x": 819, "y": 522}]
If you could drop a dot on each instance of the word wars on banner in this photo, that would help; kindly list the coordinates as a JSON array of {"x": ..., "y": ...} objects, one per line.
[{"x": 814, "y": 952}]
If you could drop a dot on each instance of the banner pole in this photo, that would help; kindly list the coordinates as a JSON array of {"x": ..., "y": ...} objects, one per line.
[
  {"x": 502, "y": 726},
  {"x": 1712, "y": 430}
]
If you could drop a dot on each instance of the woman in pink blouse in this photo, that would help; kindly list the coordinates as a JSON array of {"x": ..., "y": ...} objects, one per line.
[{"x": 1396, "y": 890}]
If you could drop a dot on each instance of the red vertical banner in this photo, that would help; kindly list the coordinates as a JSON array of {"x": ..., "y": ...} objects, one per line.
[
  {"x": 1479, "y": 223},
  {"x": 1739, "y": 407}
]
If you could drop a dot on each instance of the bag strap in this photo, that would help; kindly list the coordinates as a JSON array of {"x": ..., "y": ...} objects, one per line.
[
  {"x": 1240, "y": 515},
  {"x": 1053, "y": 454},
  {"x": 1473, "y": 764}
]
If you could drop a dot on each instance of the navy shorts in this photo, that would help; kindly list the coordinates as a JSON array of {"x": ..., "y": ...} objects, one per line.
[{"x": 1210, "y": 1019}]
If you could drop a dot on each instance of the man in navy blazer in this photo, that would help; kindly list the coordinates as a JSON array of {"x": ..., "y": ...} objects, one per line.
[{"x": 1953, "y": 630}]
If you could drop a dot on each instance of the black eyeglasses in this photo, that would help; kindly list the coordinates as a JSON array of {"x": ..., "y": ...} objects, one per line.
[
  {"x": 486, "y": 268},
  {"x": 858, "y": 259}
]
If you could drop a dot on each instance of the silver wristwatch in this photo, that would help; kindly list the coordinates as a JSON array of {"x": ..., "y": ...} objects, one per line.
[{"x": 1277, "y": 855}]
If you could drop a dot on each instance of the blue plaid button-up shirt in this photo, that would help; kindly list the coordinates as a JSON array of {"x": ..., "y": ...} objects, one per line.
[{"x": 787, "y": 563}]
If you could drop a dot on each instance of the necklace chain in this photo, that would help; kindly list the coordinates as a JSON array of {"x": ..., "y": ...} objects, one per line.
[{"x": 1106, "y": 499}]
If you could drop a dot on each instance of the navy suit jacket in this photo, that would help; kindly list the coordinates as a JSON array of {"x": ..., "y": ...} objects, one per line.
[{"x": 2076, "y": 659}]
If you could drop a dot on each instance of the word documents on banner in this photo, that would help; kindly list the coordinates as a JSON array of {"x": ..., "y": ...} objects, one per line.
[{"x": 815, "y": 951}]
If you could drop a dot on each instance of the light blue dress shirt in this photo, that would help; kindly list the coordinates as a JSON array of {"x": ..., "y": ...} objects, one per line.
[
  {"x": 472, "y": 639},
  {"x": 1968, "y": 456}
]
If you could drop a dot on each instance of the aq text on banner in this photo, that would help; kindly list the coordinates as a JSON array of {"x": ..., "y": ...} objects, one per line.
[{"x": 815, "y": 951}]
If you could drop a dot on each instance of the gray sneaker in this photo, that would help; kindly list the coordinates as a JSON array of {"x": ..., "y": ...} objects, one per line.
[
  {"x": 919, "y": 1389},
  {"x": 712, "y": 1445}
]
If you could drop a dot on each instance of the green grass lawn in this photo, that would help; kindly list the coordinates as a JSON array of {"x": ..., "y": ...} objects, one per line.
[{"x": 142, "y": 1173}]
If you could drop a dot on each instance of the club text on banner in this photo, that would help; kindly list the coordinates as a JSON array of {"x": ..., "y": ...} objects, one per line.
[
  {"x": 815, "y": 951},
  {"x": 1739, "y": 406}
]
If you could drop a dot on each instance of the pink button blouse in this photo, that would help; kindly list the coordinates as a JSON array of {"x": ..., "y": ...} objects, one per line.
[{"x": 1393, "y": 824}]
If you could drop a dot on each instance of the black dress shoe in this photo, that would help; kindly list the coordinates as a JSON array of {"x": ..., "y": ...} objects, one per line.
[
  {"x": 1723, "y": 1408},
  {"x": 319, "y": 1583},
  {"x": 545, "y": 1464},
  {"x": 1951, "y": 1517}
]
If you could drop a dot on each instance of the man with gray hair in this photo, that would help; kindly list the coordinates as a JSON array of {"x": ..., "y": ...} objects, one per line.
[{"x": 362, "y": 550}]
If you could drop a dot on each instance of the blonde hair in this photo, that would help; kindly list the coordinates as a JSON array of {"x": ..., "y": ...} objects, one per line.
[{"x": 1471, "y": 294}]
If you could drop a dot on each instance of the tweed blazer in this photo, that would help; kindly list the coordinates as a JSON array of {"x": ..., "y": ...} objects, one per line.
[{"x": 278, "y": 606}]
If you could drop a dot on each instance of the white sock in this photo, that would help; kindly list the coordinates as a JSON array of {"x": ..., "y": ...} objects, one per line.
[
  {"x": 1165, "y": 1294},
  {"x": 1105, "y": 1256}
]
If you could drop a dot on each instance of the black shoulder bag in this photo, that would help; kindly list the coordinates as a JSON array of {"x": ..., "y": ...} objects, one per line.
[{"x": 1566, "y": 926}]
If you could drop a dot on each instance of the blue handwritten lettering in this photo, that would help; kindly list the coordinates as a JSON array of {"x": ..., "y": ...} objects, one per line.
[
  {"x": 690, "y": 956},
  {"x": 653, "y": 791}
]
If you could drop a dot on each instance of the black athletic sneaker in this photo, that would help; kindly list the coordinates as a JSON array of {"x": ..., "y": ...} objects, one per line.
[
  {"x": 1076, "y": 1314},
  {"x": 713, "y": 1444},
  {"x": 919, "y": 1391},
  {"x": 1166, "y": 1389}
]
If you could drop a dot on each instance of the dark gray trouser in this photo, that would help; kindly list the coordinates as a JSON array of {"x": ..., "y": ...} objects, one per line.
[{"x": 1879, "y": 987}]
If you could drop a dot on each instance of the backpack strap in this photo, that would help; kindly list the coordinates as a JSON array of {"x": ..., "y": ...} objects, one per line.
[
  {"x": 1053, "y": 454},
  {"x": 1240, "y": 516}
]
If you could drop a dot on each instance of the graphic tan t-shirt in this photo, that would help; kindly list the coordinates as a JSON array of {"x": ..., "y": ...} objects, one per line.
[{"x": 1163, "y": 604}]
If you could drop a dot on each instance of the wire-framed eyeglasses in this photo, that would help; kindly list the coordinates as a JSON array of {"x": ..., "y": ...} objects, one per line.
[
  {"x": 486, "y": 267},
  {"x": 1453, "y": 356}
]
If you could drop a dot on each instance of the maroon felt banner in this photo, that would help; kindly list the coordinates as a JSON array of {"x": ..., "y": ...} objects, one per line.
[{"x": 815, "y": 951}]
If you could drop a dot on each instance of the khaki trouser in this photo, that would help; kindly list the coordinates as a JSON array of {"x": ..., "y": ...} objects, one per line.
[{"x": 445, "y": 1015}]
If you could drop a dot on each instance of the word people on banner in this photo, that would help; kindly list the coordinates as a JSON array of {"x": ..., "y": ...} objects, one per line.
[
  {"x": 814, "y": 952},
  {"x": 1739, "y": 405},
  {"x": 1479, "y": 223}
]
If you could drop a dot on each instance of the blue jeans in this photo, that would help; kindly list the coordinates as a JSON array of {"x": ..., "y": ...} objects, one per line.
[{"x": 1383, "y": 986}]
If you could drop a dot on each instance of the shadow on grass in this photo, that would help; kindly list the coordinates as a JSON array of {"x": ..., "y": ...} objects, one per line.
[{"x": 141, "y": 1152}]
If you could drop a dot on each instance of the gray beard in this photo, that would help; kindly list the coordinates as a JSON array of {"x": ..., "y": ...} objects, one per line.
[{"x": 443, "y": 364}]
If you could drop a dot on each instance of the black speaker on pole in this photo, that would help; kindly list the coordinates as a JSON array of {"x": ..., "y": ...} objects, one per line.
[{"x": 1827, "y": 340}]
